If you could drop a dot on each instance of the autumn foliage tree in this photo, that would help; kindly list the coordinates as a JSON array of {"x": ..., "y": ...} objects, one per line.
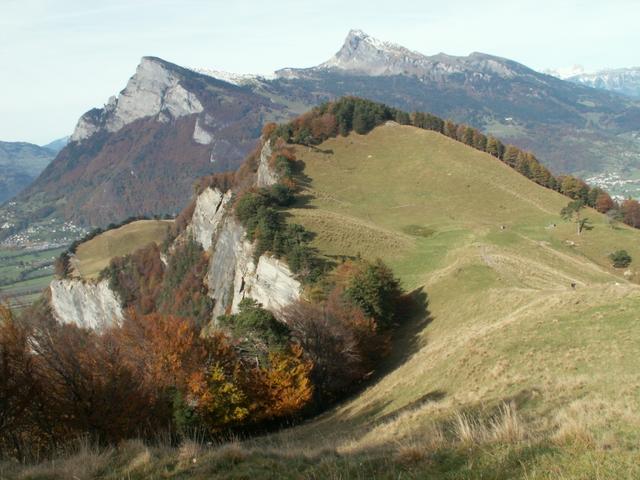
[
  {"x": 17, "y": 388},
  {"x": 631, "y": 212},
  {"x": 604, "y": 202},
  {"x": 346, "y": 333}
]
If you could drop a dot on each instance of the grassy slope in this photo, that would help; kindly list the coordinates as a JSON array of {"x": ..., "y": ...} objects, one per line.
[
  {"x": 504, "y": 321},
  {"x": 503, "y": 325},
  {"x": 94, "y": 255}
]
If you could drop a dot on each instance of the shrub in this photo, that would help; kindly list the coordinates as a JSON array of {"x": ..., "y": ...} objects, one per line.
[
  {"x": 136, "y": 278},
  {"x": 257, "y": 212},
  {"x": 376, "y": 291},
  {"x": 256, "y": 328},
  {"x": 620, "y": 259}
]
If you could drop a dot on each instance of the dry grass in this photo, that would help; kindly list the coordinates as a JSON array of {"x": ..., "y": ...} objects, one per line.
[
  {"x": 506, "y": 427},
  {"x": 411, "y": 452},
  {"x": 94, "y": 255},
  {"x": 190, "y": 451},
  {"x": 82, "y": 461},
  {"x": 468, "y": 430}
]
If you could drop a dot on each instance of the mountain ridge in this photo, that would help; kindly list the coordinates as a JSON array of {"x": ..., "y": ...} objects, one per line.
[
  {"x": 621, "y": 80},
  {"x": 214, "y": 123}
]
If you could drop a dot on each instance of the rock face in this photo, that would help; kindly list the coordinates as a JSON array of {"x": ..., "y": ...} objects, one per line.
[
  {"x": 266, "y": 176},
  {"x": 209, "y": 212},
  {"x": 362, "y": 54},
  {"x": 153, "y": 90},
  {"x": 85, "y": 304},
  {"x": 271, "y": 283},
  {"x": 201, "y": 135},
  {"x": 230, "y": 256},
  {"x": 233, "y": 273}
]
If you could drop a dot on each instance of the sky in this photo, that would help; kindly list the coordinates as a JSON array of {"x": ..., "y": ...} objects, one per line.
[{"x": 60, "y": 58}]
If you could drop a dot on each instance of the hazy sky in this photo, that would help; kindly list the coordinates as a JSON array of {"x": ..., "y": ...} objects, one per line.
[{"x": 59, "y": 58}]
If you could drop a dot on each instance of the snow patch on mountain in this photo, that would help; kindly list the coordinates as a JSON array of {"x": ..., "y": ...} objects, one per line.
[
  {"x": 620, "y": 80},
  {"x": 233, "y": 78},
  {"x": 565, "y": 72}
]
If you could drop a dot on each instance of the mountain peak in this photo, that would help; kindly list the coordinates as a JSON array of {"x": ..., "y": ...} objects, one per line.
[
  {"x": 154, "y": 90},
  {"x": 365, "y": 54},
  {"x": 362, "y": 54}
]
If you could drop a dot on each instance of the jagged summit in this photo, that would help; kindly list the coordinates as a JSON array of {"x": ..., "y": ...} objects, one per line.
[
  {"x": 155, "y": 88},
  {"x": 363, "y": 54}
]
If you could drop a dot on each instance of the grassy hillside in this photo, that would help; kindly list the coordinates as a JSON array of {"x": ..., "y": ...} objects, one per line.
[
  {"x": 506, "y": 372},
  {"x": 504, "y": 323},
  {"x": 94, "y": 255}
]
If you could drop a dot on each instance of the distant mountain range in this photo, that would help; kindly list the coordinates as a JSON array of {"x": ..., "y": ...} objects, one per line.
[
  {"x": 21, "y": 163},
  {"x": 621, "y": 80},
  {"x": 140, "y": 152},
  {"x": 57, "y": 144}
]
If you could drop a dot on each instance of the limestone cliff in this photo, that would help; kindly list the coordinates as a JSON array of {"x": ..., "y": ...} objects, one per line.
[
  {"x": 266, "y": 175},
  {"x": 233, "y": 272},
  {"x": 154, "y": 90},
  {"x": 84, "y": 303},
  {"x": 234, "y": 275},
  {"x": 210, "y": 209}
]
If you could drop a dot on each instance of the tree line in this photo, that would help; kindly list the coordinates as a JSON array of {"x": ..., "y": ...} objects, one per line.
[{"x": 342, "y": 116}]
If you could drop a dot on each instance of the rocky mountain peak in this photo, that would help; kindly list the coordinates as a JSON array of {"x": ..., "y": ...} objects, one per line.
[
  {"x": 365, "y": 54},
  {"x": 362, "y": 54},
  {"x": 154, "y": 89}
]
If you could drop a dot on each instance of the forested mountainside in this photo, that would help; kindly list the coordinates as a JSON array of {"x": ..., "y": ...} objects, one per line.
[{"x": 138, "y": 154}]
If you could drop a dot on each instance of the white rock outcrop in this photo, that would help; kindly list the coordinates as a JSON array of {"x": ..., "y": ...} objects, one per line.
[
  {"x": 271, "y": 283},
  {"x": 85, "y": 304},
  {"x": 231, "y": 249},
  {"x": 265, "y": 176},
  {"x": 233, "y": 274},
  {"x": 153, "y": 90},
  {"x": 201, "y": 135},
  {"x": 207, "y": 216}
]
